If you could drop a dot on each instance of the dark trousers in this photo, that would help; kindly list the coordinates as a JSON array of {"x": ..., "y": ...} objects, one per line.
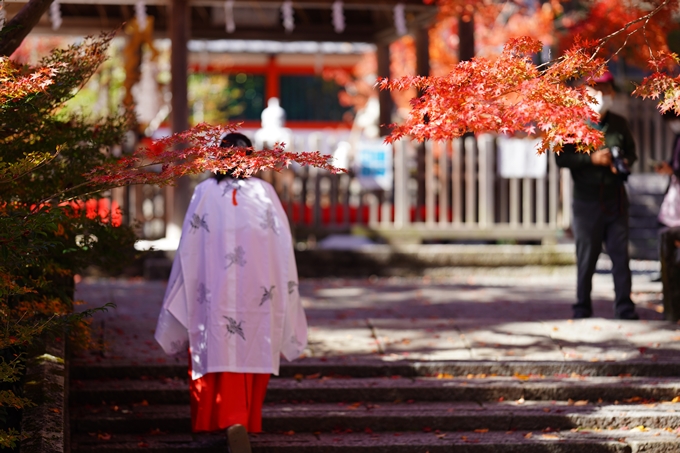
[{"x": 596, "y": 223}]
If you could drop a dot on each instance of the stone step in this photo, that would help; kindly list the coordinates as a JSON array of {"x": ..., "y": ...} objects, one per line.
[
  {"x": 118, "y": 369},
  {"x": 400, "y": 416},
  {"x": 314, "y": 388},
  {"x": 567, "y": 441}
]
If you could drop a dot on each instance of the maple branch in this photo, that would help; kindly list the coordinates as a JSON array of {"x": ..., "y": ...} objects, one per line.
[
  {"x": 21, "y": 25},
  {"x": 644, "y": 33},
  {"x": 31, "y": 170},
  {"x": 645, "y": 18}
]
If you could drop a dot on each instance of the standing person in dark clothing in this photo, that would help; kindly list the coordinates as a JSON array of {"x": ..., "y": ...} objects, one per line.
[{"x": 600, "y": 204}]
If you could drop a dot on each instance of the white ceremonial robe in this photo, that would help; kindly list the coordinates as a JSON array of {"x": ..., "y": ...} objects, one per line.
[{"x": 233, "y": 297}]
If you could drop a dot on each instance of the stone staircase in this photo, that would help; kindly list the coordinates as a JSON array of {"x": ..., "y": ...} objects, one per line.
[{"x": 326, "y": 405}]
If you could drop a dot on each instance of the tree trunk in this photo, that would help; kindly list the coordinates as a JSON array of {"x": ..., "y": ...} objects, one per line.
[{"x": 21, "y": 25}]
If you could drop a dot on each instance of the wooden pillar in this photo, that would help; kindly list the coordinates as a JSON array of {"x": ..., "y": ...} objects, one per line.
[
  {"x": 273, "y": 76},
  {"x": 179, "y": 63},
  {"x": 422, "y": 38},
  {"x": 179, "y": 196},
  {"x": 466, "y": 37},
  {"x": 466, "y": 51},
  {"x": 423, "y": 51},
  {"x": 384, "y": 96}
]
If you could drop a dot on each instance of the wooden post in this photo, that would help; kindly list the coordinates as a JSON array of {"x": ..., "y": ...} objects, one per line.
[
  {"x": 178, "y": 202},
  {"x": 466, "y": 37},
  {"x": 423, "y": 51},
  {"x": 422, "y": 37},
  {"x": 384, "y": 96},
  {"x": 272, "y": 77}
]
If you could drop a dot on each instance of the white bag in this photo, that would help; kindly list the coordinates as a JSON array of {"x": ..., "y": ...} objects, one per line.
[{"x": 669, "y": 213}]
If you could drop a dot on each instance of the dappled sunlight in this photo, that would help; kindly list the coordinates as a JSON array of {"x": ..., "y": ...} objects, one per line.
[{"x": 429, "y": 319}]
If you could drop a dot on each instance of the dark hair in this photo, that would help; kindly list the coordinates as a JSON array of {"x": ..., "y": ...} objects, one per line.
[
  {"x": 669, "y": 115},
  {"x": 233, "y": 139}
]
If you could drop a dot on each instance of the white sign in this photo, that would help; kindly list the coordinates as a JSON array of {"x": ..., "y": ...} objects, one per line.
[{"x": 517, "y": 158}]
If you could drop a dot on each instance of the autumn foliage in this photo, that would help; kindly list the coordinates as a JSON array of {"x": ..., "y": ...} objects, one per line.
[
  {"x": 512, "y": 94},
  {"x": 508, "y": 94}
]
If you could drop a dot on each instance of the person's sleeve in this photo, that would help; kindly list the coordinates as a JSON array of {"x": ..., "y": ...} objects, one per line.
[
  {"x": 674, "y": 157},
  {"x": 631, "y": 149},
  {"x": 569, "y": 158},
  {"x": 676, "y": 172}
]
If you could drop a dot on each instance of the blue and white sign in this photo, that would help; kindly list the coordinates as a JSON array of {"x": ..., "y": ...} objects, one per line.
[{"x": 374, "y": 164}]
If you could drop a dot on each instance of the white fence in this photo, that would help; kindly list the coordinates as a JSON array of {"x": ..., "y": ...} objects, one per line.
[{"x": 460, "y": 196}]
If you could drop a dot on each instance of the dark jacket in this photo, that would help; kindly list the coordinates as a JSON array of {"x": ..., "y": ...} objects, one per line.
[
  {"x": 674, "y": 162},
  {"x": 595, "y": 182}
]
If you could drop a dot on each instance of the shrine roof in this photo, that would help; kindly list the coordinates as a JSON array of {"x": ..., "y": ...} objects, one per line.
[{"x": 260, "y": 20}]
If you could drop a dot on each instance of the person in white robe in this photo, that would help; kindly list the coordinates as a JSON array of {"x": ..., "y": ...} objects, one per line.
[{"x": 232, "y": 298}]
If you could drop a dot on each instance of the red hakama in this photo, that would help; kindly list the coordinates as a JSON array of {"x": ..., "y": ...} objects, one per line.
[{"x": 219, "y": 400}]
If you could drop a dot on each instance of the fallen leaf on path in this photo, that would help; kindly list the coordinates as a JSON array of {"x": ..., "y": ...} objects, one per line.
[
  {"x": 550, "y": 436},
  {"x": 528, "y": 435},
  {"x": 104, "y": 436},
  {"x": 482, "y": 430}
]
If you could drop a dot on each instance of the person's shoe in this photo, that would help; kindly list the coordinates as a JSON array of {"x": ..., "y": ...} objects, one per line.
[
  {"x": 581, "y": 315},
  {"x": 629, "y": 316},
  {"x": 237, "y": 439}
]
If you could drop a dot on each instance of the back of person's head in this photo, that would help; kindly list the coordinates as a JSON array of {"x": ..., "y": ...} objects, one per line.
[{"x": 233, "y": 140}]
